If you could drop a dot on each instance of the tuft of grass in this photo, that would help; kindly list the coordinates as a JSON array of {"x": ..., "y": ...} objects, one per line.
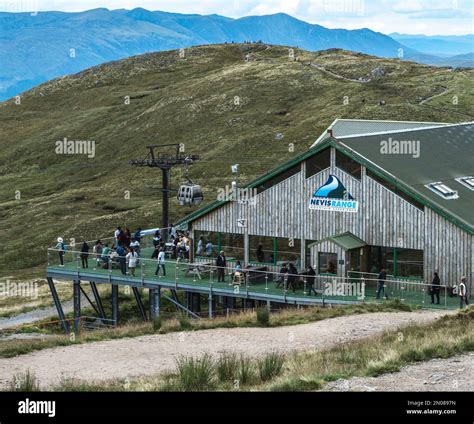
[
  {"x": 184, "y": 322},
  {"x": 76, "y": 385},
  {"x": 227, "y": 367},
  {"x": 24, "y": 382},
  {"x": 263, "y": 316},
  {"x": 298, "y": 384},
  {"x": 245, "y": 371},
  {"x": 270, "y": 366},
  {"x": 195, "y": 374}
]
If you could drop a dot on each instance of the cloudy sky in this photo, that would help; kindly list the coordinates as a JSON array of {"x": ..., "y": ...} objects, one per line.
[{"x": 408, "y": 16}]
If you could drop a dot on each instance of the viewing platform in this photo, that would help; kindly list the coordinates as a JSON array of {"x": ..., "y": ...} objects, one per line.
[{"x": 257, "y": 285}]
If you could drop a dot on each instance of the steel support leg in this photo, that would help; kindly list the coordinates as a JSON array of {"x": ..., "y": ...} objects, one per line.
[
  {"x": 89, "y": 300},
  {"x": 155, "y": 302},
  {"x": 181, "y": 307},
  {"x": 195, "y": 302},
  {"x": 77, "y": 304},
  {"x": 115, "y": 304},
  {"x": 98, "y": 300},
  {"x": 174, "y": 295},
  {"x": 138, "y": 298},
  {"x": 210, "y": 306},
  {"x": 58, "y": 305}
]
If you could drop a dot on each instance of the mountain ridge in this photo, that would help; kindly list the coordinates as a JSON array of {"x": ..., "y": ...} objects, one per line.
[{"x": 34, "y": 49}]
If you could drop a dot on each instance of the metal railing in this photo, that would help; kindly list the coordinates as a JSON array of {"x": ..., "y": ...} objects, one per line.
[{"x": 258, "y": 279}]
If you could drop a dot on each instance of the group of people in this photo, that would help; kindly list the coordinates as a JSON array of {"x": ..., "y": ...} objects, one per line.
[
  {"x": 124, "y": 252},
  {"x": 289, "y": 274},
  {"x": 434, "y": 289}
]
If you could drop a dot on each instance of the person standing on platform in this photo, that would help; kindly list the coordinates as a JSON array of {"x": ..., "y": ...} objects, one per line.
[
  {"x": 311, "y": 276},
  {"x": 173, "y": 233},
  {"x": 435, "y": 288},
  {"x": 381, "y": 283},
  {"x": 135, "y": 245},
  {"x": 138, "y": 235},
  {"x": 464, "y": 301},
  {"x": 127, "y": 237},
  {"x": 292, "y": 277},
  {"x": 121, "y": 259},
  {"x": 221, "y": 264},
  {"x": 85, "y": 254},
  {"x": 117, "y": 234},
  {"x": 161, "y": 262},
  {"x": 61, "y": 247},
  {"x": 132, "y": 259}
]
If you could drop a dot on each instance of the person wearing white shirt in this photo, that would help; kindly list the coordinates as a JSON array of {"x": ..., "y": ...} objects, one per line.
[
  {"x": 161, "y": 262},
  {"x": 135, "y": 245},
  {"x": 116, "y": 234},
  {"x": 463, "y": 293},
  {"x": 132, "y": 259},
  {"x": 173, "y": 232}
]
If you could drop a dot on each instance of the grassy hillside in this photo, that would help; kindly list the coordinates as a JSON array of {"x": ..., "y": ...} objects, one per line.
[{"x": 187, "y": 100}]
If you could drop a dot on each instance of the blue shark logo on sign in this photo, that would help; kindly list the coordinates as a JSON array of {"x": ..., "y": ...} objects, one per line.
[{"x": 333, "y": 196}]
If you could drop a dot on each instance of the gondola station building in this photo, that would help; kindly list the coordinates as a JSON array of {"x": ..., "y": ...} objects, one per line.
[{"x": 366, "y": 195}]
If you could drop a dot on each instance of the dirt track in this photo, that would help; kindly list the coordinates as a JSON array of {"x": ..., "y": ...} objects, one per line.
[
  {"x": 147, "y": 355},
  {"x": 446, "y": 375}
]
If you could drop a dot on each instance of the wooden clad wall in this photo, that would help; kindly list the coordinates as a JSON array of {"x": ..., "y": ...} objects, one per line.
[
  {"x": 448, "y": 250},
  {"x": 384, "y": 219}
]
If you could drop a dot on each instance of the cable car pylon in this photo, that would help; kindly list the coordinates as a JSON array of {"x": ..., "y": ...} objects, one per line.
[{"x": 190, "y": 192}]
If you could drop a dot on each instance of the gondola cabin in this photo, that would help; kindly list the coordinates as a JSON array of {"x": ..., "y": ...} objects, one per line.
[{"x": 190, "y": 195}]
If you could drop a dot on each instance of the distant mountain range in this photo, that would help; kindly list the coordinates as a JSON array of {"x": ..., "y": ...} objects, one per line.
[
  {"x": 34, "y": 49},
  {"x": 437, "y": 45}
]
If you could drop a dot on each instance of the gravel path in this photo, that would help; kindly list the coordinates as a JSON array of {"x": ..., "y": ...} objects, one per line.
[
  {"x": 37, "y": 315},
  {"x": 452, "y": 374},
  {"x": 147, "y": 355}
]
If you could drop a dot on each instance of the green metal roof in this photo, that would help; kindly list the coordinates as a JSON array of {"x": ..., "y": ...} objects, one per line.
[
  {"x": 358, "y": 127},
  {"x": 347, "y": 241},
  {"x": 445, "y": 153}
]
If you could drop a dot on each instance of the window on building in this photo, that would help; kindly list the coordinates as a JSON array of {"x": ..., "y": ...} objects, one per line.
[
  {"x": 348, "y": 165},
  {"x": 318, "y": 162},
  {"x": 273, "y": 250},
  {"x": 380, "y": 257},
  {"x": 395, "y": 190},
  {"x": 467, "y": 182},
  {"x": 206, "y": 236},
  {"x": 279, "y": 178},
  {"x": 288, "y": 250},
  {"x": 397, "y": 262},
  {"x": 409, "y": 263},
  {"x": 327, "y": 263},
  {"x": 262, "y": 249},
  {"x": 232, "y": 245},
  {"x": 443, "y": 190},
  {"x": 309, "y": 260}
]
